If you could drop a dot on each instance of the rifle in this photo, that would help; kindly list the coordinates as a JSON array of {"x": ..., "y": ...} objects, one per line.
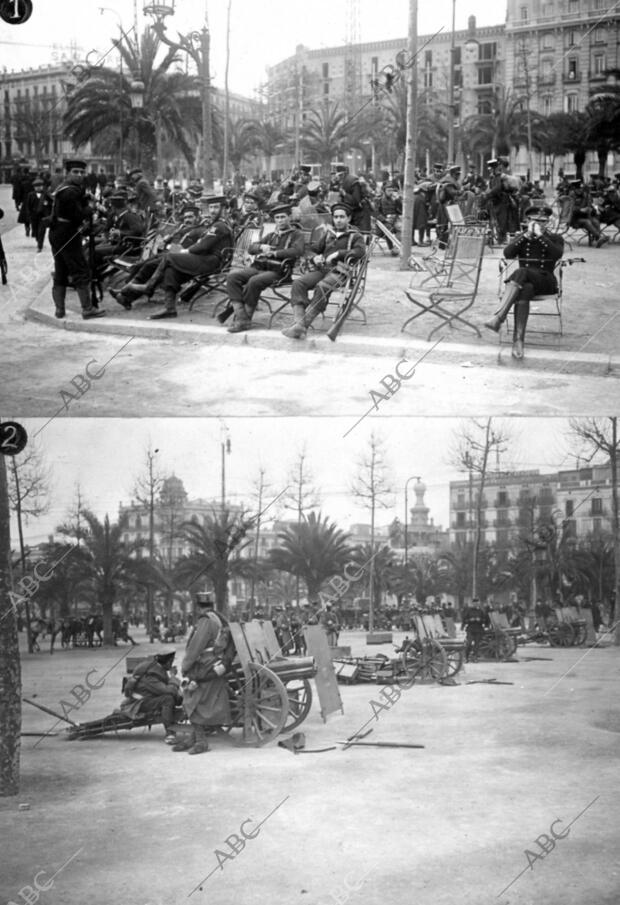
[{"x": 96, "y": 290}]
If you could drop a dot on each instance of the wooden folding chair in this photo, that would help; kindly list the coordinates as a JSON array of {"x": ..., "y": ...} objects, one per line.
[{"x": 457, "y": 292}]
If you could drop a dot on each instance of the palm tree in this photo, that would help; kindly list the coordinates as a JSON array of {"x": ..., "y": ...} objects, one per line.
[
  {"x": 105, "y": 563},
  {"x": 315, "y": 549},
  {"x": 100, "y": 107},
  {"x": 243, "y": 141},
  {"x": 504, "y": 128},
  {"x": 215, "y": 549},
  {"x": 324, "y": 133},
  {"x": 603, "y": 111},
  {"x": 271, "y": 139},
  {"x": 384, "y": 561}
]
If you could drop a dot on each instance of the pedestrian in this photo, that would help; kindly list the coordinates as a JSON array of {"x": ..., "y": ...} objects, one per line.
[{"x": 475, "y": 621}]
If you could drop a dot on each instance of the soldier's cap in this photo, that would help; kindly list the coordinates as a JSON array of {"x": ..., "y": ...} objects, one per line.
[
  {"x": 538, "y": 212},
  {"x": 214, "y": 199},
  {"x": 164, "y": 655},
  {"x": 194, "y": 208},
  {"x": 204, "y": 599},
  {"x": 504, "y": 161},
  {"x": 304, "y": 168},
  {"x": 574, "y": 181},
  {"x": 281, "y": 209},
  {"x": 38, "y": 182},
  {"x": 313, "y": 187},
  {"x": 119, "y": 196},
  {"x": 454, "y": 168},
  {"x": 341, "y": 206},
  {"x": 195, "y": 191},
  {"x": 75, "y": 164},
  {"x": 494, "y": 162},
  {"x": 252, "y": 196},
  {"x": 438, "y": 166},
  {"x": 135, "y": 171}
]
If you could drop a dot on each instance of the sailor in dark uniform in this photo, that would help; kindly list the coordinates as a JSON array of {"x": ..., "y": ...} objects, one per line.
[
  {"x": 331, "y": 251},
  {"x": 475, "y": 620},
  {"x": 538, "y": 252},
  {"x": 69, "y": 214},
  {"x": 201, "y": 259},
  {"x": 244, "y": 286}
]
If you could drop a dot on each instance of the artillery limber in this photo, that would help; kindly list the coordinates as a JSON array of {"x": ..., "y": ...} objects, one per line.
[
  {"x": 268, "y": 693},
  {"x": 562, "y": 627}
]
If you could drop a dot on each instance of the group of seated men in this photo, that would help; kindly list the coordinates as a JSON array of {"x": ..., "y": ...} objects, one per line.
[{"x": 199, "y": 250}]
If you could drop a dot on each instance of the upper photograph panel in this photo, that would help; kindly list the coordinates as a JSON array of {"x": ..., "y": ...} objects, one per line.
[{"x": 207, "y": 210}]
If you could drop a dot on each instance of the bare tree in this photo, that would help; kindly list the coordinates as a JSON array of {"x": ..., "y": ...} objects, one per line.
[
  {"x": 74, "y": 524},
  {"x": 28, "y": 484},
  {"x": 599, "y": 436},
  {"x": 302, "y": 496},
  {"x": 372, "y": 487},
  {"x": 10, "y": 671},
  {"x": 474, "y": 444},
  {"x": 146, "y": 490},
  {"x": 261, "y": 488}
]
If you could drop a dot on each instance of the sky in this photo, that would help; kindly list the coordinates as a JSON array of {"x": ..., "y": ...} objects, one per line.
[
  {"x": 104, "y": 456},
  {"x": 261, "y": 33}
]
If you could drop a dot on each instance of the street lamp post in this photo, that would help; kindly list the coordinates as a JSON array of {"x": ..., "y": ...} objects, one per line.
[
  {"x": 412, "y": 478},
  {"x": 195, "y": 44},
  {"x": 451, "y": 89}
]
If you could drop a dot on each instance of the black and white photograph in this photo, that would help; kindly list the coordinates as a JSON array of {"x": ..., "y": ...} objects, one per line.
[{"x": 309, "y": 446}]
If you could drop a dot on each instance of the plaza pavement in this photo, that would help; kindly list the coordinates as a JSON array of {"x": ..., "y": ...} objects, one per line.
[{"x": 449, "y": 823}]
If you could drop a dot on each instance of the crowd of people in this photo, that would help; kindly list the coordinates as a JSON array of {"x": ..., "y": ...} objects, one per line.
[{"x": 177, "y": 238}]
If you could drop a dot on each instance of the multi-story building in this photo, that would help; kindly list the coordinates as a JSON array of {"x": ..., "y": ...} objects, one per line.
[
  {"x": 514, "y": 504},
  {"x": 549, "y": 57}
]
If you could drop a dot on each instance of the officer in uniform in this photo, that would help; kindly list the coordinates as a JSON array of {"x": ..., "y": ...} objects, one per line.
[
  {"x": 201, "y": 259},
  {"x": 69, "y": 213},
  {"x": 475, "y": 621},
  {"x": 538, "y": 251},
  {"x": 502, "y": 198},
  {"x": 285, "y": 244},
  {"x": 151, "y": 271},
  {"x": 448, "y": 192},
  {"x": 335, "y": 245}
]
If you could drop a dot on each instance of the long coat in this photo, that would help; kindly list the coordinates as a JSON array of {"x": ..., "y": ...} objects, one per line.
[{"x": 208, "y": 704}]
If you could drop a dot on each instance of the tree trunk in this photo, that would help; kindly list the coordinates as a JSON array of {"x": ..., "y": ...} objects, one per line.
[
  {"x": 10, "y": 670},
  {"x": 613, "y": 459},
  {"x": 107, "y": 603}
]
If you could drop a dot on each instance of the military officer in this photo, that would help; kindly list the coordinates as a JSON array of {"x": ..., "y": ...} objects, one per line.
[
  {"x": 284, "y": 244},
  {"x": 474, "y": 622},
  {"x": 538, "y": 251},
  {"x": 69, "y": 214},
  {"x": 335, "y": 245},
  {"x": 501, "y": 197},
  {"x": 201, "y": 259}
]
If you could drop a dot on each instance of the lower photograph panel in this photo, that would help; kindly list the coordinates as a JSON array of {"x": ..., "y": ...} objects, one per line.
[{"x": 424, "y": 609}]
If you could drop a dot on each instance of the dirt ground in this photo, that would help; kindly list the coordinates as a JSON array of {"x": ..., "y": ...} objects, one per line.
[{"x": 124, "y": 819}]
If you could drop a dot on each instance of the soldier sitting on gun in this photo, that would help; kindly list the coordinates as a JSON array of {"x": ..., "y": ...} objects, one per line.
[{"x": 153, "y": 691}]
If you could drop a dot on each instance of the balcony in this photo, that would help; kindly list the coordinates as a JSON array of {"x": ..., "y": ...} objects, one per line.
[
  {"x": 504, "y": 503},
  {"x": 571, "y": 78}
]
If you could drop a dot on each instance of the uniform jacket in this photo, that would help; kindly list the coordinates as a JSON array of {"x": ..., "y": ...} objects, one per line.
[
  {"x": 350, "y": 242},
  {"x": 70, "y": 204},
  {"x": 214, "y": 240},
  {"x": 208, "y": 704},
  {"x": 536, "y": 251},
  {"x": 288, "y": 245}
]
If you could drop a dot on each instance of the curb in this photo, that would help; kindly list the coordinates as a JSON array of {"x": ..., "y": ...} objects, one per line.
[{"x": 445, "y": 352}]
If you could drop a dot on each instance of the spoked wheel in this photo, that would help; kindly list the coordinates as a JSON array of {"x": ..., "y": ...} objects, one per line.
[
  {"x": 263, "y": 702},
  {"x": 561, "y": 634},
  {"x": 455, "y": 657},
  {"x": 299, "y": 693},
  {"x": 429, "y": 661},
  {"x": 505, "y": 645},
  {"x": 581, "y": 633}
]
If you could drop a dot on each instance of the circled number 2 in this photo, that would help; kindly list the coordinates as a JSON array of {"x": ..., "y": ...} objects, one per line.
[{"x": 13, "y": 438}]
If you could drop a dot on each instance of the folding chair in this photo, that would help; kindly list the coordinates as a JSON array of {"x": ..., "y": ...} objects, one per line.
[
  {"x": 552, "y": 300},
  {"x": 457, "y": 289},
  {"x": 381, "y": 232},
  {"x": 237, "y": 256},
  {"x": 435, "y": 266}
]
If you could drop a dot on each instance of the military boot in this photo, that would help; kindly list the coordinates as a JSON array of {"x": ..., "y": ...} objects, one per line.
[
  {"x": 187, "y": 743},
  {"x": 511, "y": 292},
  {"x": 242, "y": 320},
  {"x": 297, "y": 330},
  {"x": 58, "y": 294},
  {"x": 88, "y": 310},
  {"x": 170, "y": 309},
  {"x": 201, "y": 744},
  {"x": 522, "y": 310}
]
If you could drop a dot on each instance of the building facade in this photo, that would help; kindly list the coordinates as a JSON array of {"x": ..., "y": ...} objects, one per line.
[{"x": 515, "y": 504}]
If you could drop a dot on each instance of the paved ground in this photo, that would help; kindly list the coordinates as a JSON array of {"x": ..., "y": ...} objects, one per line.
[
  {"x": 191, "y": 367},
  {"x": 448, "y": 823}
]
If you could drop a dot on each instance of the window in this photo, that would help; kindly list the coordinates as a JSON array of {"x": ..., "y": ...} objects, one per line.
[
  {"x": 502, "y": 498},
  {"x": 325, "y": 70},
  {"x": 460, "y": 500},
  {"x": 485, "y": 107},
  {"x": 599, "y": 35},
  {"x": 570, "y": 36},
  {"x": 572, "y": 103},
  {"x": 485, "y": 75},
  {"x": 326, "y": 88},
  {"x": 138, "y": 522},
  {"x": 428, "y": 78},
  {"x": 488, "y": 51},
  {"x": 428, "y": 58},
  {"x": 597, "y": 506},
  {"x": 547, "y": 104},
  {"x": 460, "y": 520},
  {"x": 597, "y": 525},
  {"x": 547, "y": 9},
  {"x": 573, "y": 6},
  {"x": 524, "y": 13},
  {"x": 572, "y": 69},
  {"x": 548, "y": 41},
  {"x": 458, "y": 78},
  {"x": 599, "y": 64},
  {"x": 569, "y": 508}
]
